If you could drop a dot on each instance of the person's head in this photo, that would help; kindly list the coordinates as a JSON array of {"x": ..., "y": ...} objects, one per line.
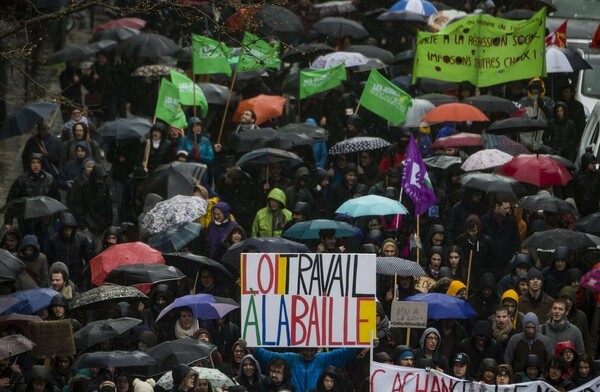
[
  {"x": 435, "y": 257},
  {"x": 473, "y": 226},
  {"x": 365, "y": 158},
  {"x": 510, "y": 298},
  {"x": 203, "y": 335},
  {"x": 207, "y": 279},
  {"x": 487, "y": 370},
  {"x": 585, "y": 366},
  {"x": 238, "y": 352},
  {"x": 183, "y": 156},
  {"x": 237, "y": 234},
  {"x": 389, "y": 248},
  {"x": 530, "y": 325},
  {"x": 195, "y": 125},
  {"x": 350, "y": 174},
  {"x": 10, "y": 239},
  {"x": 533, "y": 367},
  {"x": 203, "y": 385},
  {"x": 504, "y": 374},
  {"x": 373, "y": 224},
  {"x": 63, "y": 363},
  {"x": 439, "y": 235},
  {"x": 327, "y": 238},
  {"x": 80, "y": 152},
  {"x": 58, "y": 307},
  {"x": 122, "y": 382},
  {"x": 35, "y": 163},
  {"x": 520, "y": 263},
  {"x": 534, "y": 281},
  {"x": 465, "y": 89},
  {"x": 57, "y": 281},
  {"x": 308, "y": 353},
  {"x": 278, "y": 372},
  {"x": 482, "y": 334},
  {"x": 186, "y": 318},
  {"x": 76, "y": 115},
  {"x": 276, "y": 199},
  {"x": 329, "y": 379},
  {"x": 301, "y": 211},
  {"x": 502, "y": 317},
  {"x": 405, "y": 282},
  {"x": 460, "y": 365},
  {"x": 558, "y": 312},
  {"x": 561, "y": 258},
  {"x": 567, "y": 93},
  {"x": 80, "y": 131},
  {"x": 566, "y": 349},
  {"x": 555, "y": 367},
  {"x": 430, "y": 340},
  {"x": 502, "y": 206},
  {"x": 457, "y": 289},
  {"x": 249, "y": 367},
  {"x": 560, "y": 110},
  {"x": 158, "y": 131},
  {"x": 248, "y": 117}
]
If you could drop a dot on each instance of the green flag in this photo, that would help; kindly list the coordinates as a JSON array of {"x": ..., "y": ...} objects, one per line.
[
  {"x": 484, "y": 50},
  {"x": 189, "y": 93},
  {"x": 210, "y": 56},
  {"x": 385, "y": 99},
  {"x": 313, "y": 82},
  {"x": 168, "y": 107},
  {"x": 257, "y": 54}
]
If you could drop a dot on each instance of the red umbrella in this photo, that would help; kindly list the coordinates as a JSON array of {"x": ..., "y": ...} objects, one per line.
[
  {"x": 537, "y": 170},
  {"x": 463, "y": 139},
  {"x": 134, "y": 23},
  {"x": 454, "y": 112},
  {"x": 122, "y": 254},
  {"x": 265, "y": 107}
]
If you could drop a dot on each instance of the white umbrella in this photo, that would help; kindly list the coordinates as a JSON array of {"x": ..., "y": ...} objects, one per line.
[
  {"x": 564, "y": 60},
  {"x": 349, "y": 59},
  {"x": 416, "y": 112},
  {"x": 486, "y": 159}
]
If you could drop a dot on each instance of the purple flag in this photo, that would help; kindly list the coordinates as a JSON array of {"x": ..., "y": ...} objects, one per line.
[{"x": 415, "y": 179}]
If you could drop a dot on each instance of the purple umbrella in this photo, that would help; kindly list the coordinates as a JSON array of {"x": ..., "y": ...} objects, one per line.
[{"x": 204, "y": 306}]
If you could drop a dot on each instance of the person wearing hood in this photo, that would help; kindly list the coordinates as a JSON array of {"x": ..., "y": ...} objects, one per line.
[
  {"x": 452, "y": 332},
  {"x": 36, "y": 263},
  {"x": 46, "y": 145},
  {"x": 536, "y": 300},
  {"x": 435, "y": 255},
  {"x": 160, "y": 297},
  {"x": 315, "y": 194},
  {"x": 80, "y": 133},
  {"x": 585, "y": 370},
  {"x": 481, "y": 345},
  {"x": 561, "y": 135},
  {"x": 429, "y": 346},
  {"x": 510, "y": 299},
  {"x": 587, "y": 183},
  {"x": 530, "y": 341},
  {"x": 520, "y": 262},
  {"x": 574, "y": 315},
  {"x": 59, "y": 281},
  {"x": 473, "y": 240},
  {"x": 533, "y": 369},
  {"x": 10, "y": 238},
  {"x": 576, "y": 111},
  {"x": 485, "y": 300},
  {"x": 567, "y": 351},
  {"x": 199, "y": 147},
  {"x": 471, "y": 203},
  {"x": 250, "y": 375},
  {"x": 60, "y": 372},
  {"x": 556, "y": 275},
  {"x": 72, "y": 168},
  {"x": 39, "y": 380},
  {"x": 504, "y": 374},
  {"x": 236, "y": 234},
  {"x": 559, "y": 329},
  {"x": 538, "y": 106},
  {"x": 329, "y": 380},
  {"x": 300, "y": 213},
  {"x": 159, "y": 147},
  {"x": 184, "y": 379},
  {"x": 270, "y": 220},
  {"x": 220, "y": 226},
  {"x": 112, "y": 236},
  {"x": 487, "y": 371},
  {"x": 501, "y": 226},
  {"x": 300, "y": 182}
]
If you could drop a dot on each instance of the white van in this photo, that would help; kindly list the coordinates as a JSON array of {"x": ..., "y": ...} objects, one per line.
[
  {"x": 588, "y": 80},
  {"x": 591, "y": 134}
]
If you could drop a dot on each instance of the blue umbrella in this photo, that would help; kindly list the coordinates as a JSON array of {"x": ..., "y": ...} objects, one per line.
[
  {"x": 260, "y": 244},
  {"x": 417, "y": 6},
  {"x": 309, "y": 230},
  {"x": 26, "y": 301},
  {"x": 443, "y": 306},
  {"x": 371, "y": 205},
  {"x": 21, "y": 120},
  {"x": 204, "y": 306}
]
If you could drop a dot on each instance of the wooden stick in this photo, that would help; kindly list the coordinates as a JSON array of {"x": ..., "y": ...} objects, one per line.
[
  {"x": 469, "y": 271},
  {"x": 147, "y": 153},
  {"x": 418, "y": 242},
  {"x": 408, "y": 336},
  {"x": 227, "y": 106}
]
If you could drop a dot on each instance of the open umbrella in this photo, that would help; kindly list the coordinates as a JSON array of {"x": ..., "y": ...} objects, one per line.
[
  {"x": 417, "y": 6},
  {"x": 73, "y": 52},
  {"x": 403, "y": 16},
  {"x": 537, "y": 170},
  {"x": 546, "y": 202},
  {"x": 190, "y": 264},
  {"x": 133, "y": 23},
  {"x": 336, "y": 27},
  {"x": 102, "y": 330},
  {"x": 438, "y": 99},
  {"x": 442, "y": 161},
  {"x": 443, "y": 306},
  {"x": 564, "y": 60},
  {"x": 273, "y": 20},
  {"x": 371, "y": 205},
  {"x": 265, "y": 107},
  {"x": 493, "y": 183},
  {"x": 19, "y": 321},
  {"x": 116, "y": 34},
  {"x": 113, "y": 359},
  {"x": 592, "y": 279},
  {"x": 415, "y": 113},
  {"x": 550, "y": 239},
  {"x": 266, "y": 156},
  {"x": 357, "y": 144},
  {"x": 251, "y": 139},
  {"x": 589, "y": 223},
  {"x": 134, "y": 274},
  {"x": 312, "y": 131},
  {"x": 176, "y": 178},
  {"x": 26, "y": 301},
  {"x": 124, "y": 129},
  {"x": 204, "y": 306},
  {"x": 463, "y": 139},
  {"x": 176, "y": 237},
  {"x": 398, "y": 266},
  {"x": 371, "y": 51},
  {"x": 349, "y": 59},
  {"x": 261, "y": 244},
  {"x": 177, "y": 209},
  {"x": 33, "y": 207},
  {"x": 309, "y": 230},
  {"x": 519, "y": 124},
  {"x": 331, "y": 8},
  {"x": 217, "y": 380},
  {"x": 305, "y": 52},
  {"x": 174, "y": 352},
  {"x": 215, "y": 93},
  {"x": 485, "y": 159},
  {"x": 99, "y": 296},
  {"x": 10, "y": 266},
  {"x": 287, "y": 141},
  {"x": 491, "y": 103},
  {"x": 455, "y": 112},
  {"x": 102, "y": 45},
  {"x": 22, "y": 119},
  {"x": 12, "y": 345},
  {"x": 503, "y": 143},
  {"x": 147, "y": 45},
  {"x": 122, "y": 254}
]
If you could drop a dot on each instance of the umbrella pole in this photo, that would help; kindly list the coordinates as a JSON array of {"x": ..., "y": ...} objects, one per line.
[
  {"x": 227, "y": 106},
  {"x": 469, "y": 271},
  {"x": 395, "y": 287},
  {"x": 196, "y": 281}
]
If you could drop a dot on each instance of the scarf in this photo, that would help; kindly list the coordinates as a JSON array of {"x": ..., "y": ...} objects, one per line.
[
  {"x": 501, "y": 335},
  {"x": 181, "y": 333}
]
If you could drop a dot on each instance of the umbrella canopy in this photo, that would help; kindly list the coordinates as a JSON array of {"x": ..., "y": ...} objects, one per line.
[
  {"x": 537, "y": 170},
  {"x": 177, "y": 209},
  {"x": 174, "y": 352},
  {"x": 217, "y": 380},
  {"x": 190, "y": 264},
  {"x": 503, "y": 143},
  {"x": 102, "y": 330},
  {"x": 589, "y": 223},
  {"x": 331, "y": 8},
  {"x": 265, "y": 107},
  {"x": 592, "y": 279},
  {"x": 99, "y": 296},
  {"x": 493, "y": 183},
  {"x": 74, "y": 52},
  {"x": 266, "y": 156},
  {"x": 21, "y": 321},
  {"x": 403, "y": 16},
  {"x": 417, "y": 6},
  {"x": 122, "y": 254},
  {"x": 398, "y": 266},
  {"x": 124, "y": 129},
  {"x": 155, "y": 71},
  {"x": 550, "y": 239},
  {"x": 113, "y": 359},
  {"x": 261, "y": 244},
  {"x": 371, "y": 51},
  {"x": 336, "y": 27},
  {"x": 26, "y": 301},
  {"x": 455, "y": 112},
  {"x": 215, "y": 93},
  {"x": 204, "y": 306},
  {"x": 176, "y": 237},
  {"x": 357, "y": 144},
  {"x": 443, "y": 306},
  {"x": 251, "y": 140},
  {"x": 10, "y": 266},
  {"x": 147, "y": 45},
  {"x": 33, "y": 207},
  {"x": 417, "y": 111},
  {"x": 438, "y": 99},
  {"x": 463, "y": 139},
  {"x": 273, "y": 20},
  {"x": 564, "y": 60},
  {"x": 305, "y": 52},
  {"x": 491, "y": 103},
  {"x": 102, "y": 45},
  {"x": 486, "y": 159},
  {"x": 287, "y": 141},
  {"x": 134, "y": 274},
  {"x": 349, "y": 59},
  {"x": 12, "y": 345},
  {"x": 176, "y": 178},
  {"x": 371, "y": 205},
  {"x": 314, "y": 132},
  {"x": 309, "y": 230},
  {"x": 441, "y": 161},
  {"x": 562, "y": 160},
  {"x": 546, "y": 202},
  {"x": 520, "y": 124},
  {"x": 518, "y": 14},
  {"x": 133, "y": 23},
  {"x": 116, "y": 34},
  {"x": 21, "y": 120}
]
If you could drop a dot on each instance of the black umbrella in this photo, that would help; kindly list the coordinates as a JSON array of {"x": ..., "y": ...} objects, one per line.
[
  {"x": 273, "y": 20},
  {"x": 335, "y": 27},
  {"x": 266, "y": 156},
  {"x": 518, "y": 14},
  {"x": 124, "y": 129},
  {"x": 214, "y": 93},
  {"x": 404, "y": 56},
  {"x": 75, "y": 52},
  {"x": 287, "y": 141},
  {"x": 491, "y": 103},
  {"x": 176, "y": 178},
  {"x": 175, "y": 237},
  {"x": 546, "y": 202},
  {"x": 113, "y": 359},
  {"x": 589, "y": 223},
  {"x": 312, "y": 131},
  {"x": 10, "y": 266},
  {"x": 492, "y": 183},
  {"x": 251, "y": 139},
  {"x": 306, "y": 52},
  {"x": 33, "y": 207},
  {"x": 442, "y": 161},
  {"x": 438, "y": 99},
  {"x": 120, "y": 34},
  {"x": 331, "y": 8},
  {"x": 102, "y": 330},
  {"x": 261, "y": 244},
  {"x": 133, "y": 274},
  {"x": 190, "y": 264},
  {"x": 357, "y": 144},
  {"x": 291, "y": 84},
  {"x": 403, "y": 16},
  {"x": 174, "y": 352},
  {"x": 147, "y": 45},
  {"x": 398, "y": 266},
  {"x": 99, "y": 296},
  {"x": 550, "y": 239},
  {"x": 519, "y": 124},
  {"x": 372, "y": 52},
  {"x": 21, "y": 120},
  {"x": 102, "y": 45}
]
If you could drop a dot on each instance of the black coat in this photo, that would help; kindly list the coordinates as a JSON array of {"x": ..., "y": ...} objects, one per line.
[
  {"x": 482, "y": 253},
  {"x": 505, "y": 241}
]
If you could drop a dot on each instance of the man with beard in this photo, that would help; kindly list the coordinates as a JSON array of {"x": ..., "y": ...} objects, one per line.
[{"x": 278, "y": 376}]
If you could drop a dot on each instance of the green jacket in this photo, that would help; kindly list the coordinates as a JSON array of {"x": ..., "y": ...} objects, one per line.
[{"x": 269, "y": 223}]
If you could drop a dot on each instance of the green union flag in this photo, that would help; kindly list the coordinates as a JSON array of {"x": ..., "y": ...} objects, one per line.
[
  {"x": 210, "y": 56},
  {"x": 189, "y": 93},
  {"x": 385, "y": 99},
  {"x": 314, "y": 82},
  {"x": 257, "y": 54},
  {"x": 168, "y": 107}
]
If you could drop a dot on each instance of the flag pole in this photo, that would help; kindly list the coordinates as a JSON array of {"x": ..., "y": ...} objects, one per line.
[
  {"x": 469, "y": 271},
  {"x": 194, "y": 92},
  {"x": 227, "y": 105},
  {"x": 418, "y": 241}
]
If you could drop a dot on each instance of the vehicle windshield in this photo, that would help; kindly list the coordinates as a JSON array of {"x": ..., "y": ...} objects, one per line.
[
  {"x": 577, "y": 9},
  {"x": 590, "y": 86}
]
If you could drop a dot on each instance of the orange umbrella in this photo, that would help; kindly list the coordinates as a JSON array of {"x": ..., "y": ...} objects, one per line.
[
  {"x": 265, "y": 107},
  {"x": 454, "y": 112}
]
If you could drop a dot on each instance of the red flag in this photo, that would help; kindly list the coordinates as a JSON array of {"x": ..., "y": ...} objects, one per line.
[{"x": 559, "y": 37}]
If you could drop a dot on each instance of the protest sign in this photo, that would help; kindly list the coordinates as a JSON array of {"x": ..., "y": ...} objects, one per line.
[
  {"x": 483, "y": 50},
  {"x": 308, "y": 300},
  {"x": 52, "y": 338},
  {"x": 405, "y": 314}
]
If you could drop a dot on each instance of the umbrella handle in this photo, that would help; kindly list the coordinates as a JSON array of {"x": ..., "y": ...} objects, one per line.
[{"x": 196, "y": 280}]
